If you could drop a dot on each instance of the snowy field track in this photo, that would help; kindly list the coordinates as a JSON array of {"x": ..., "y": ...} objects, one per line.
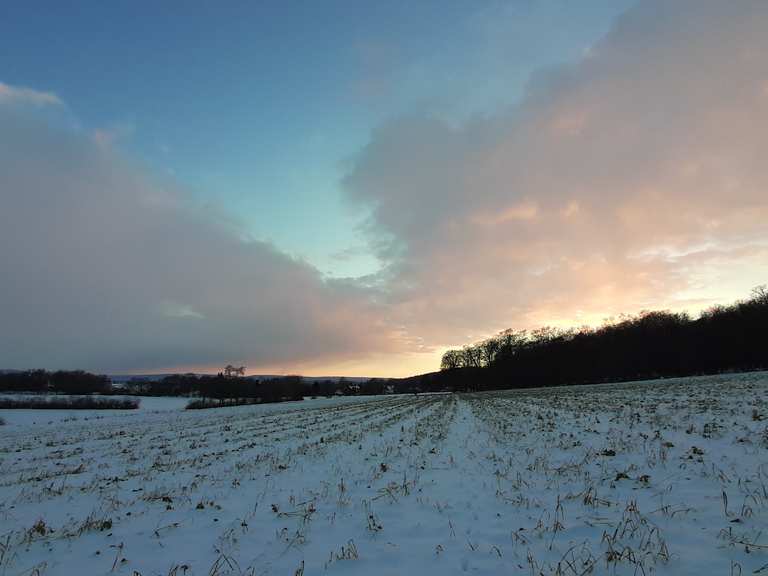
[{"x": 662, "y": 477}]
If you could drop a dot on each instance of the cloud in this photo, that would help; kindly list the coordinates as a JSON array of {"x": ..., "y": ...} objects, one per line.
[
  {"x": 106, "y": 267},
  {"x": 634, "y": 178},
  {"x": 109, "y": 135},
  {"x": 21, "y": 95},
  {"x": 570, "y": 207}
]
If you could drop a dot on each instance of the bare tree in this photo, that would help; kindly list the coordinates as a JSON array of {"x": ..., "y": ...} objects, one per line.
[
  {"x": 233, "y": 371},
  {"x": 473, "y": 357},
  {"x": 488, "y": 350},
  {"x": 760, "y": 293},
  {"x": 451, "y": 360}
]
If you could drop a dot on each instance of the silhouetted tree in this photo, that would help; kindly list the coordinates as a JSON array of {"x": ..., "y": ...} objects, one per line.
[{"x": 648, "y": 345}]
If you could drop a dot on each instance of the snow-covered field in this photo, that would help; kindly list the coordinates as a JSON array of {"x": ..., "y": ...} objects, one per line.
[
  {"x": 665, "y": 477},
  {"x": 146, "y": 404},
  {"x": 37, "y": 417}
]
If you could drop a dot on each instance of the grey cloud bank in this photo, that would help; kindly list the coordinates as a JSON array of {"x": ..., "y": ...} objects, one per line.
[{"x": 106, "y": 269}]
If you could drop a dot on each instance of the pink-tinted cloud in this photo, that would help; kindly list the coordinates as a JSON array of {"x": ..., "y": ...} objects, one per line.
[{"x": 583, "y": 201}]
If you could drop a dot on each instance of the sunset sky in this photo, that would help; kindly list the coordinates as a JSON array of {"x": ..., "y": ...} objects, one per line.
[{"x": 350, "y": 188}]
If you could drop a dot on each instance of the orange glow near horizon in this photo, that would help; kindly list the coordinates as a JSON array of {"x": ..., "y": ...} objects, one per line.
[
  {"x": 379, "y": 366},
  {"x": 395, "y": 365}
]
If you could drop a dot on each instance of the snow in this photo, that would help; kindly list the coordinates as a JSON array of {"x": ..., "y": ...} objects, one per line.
[
  {"x": 147, "y": 404},
  {"x": 663, "y": 477},
  {"x": 41, "y": 417}
]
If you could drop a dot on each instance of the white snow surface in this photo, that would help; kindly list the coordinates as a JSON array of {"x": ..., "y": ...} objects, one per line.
[
  {"x": 661, "y": 477},
  {"x": 146, "y": 403}
]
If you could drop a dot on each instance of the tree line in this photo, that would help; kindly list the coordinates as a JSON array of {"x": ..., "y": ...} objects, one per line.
[
  {"x": 648, "y": 345},
  {"x": 59, "y": 382},
  {"x": 220, "y": 387},
  {"x": 227, "y": 385},
  {"x": 272, "y": 389}
]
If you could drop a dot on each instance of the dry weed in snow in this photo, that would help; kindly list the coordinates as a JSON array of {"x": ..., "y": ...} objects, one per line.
[{"x": 664, "y": 477}]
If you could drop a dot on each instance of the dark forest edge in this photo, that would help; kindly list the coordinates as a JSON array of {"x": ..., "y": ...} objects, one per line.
[{"x": 650, "y": 345}]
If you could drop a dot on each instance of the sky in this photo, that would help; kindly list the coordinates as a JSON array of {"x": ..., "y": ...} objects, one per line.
[{"x": 351, "y": 188}]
